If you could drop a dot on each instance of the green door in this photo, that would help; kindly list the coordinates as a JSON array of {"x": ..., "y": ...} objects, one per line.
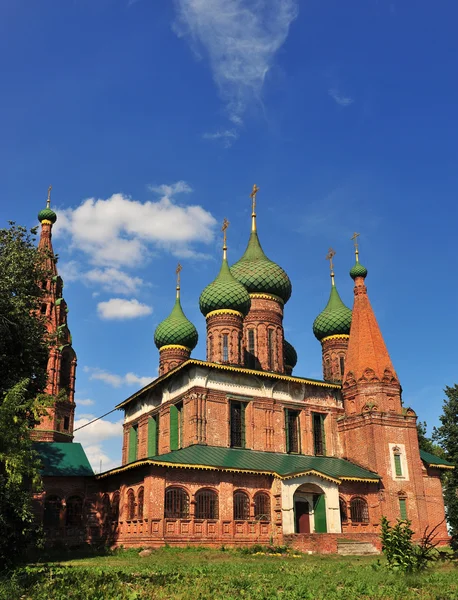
[{"x": 320, "y": 514}]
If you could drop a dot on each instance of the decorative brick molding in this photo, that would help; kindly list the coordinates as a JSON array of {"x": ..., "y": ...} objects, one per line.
[{"x": 172, "y": 356}]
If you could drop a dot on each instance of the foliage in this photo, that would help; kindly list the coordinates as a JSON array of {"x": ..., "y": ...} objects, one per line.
[
  {"x": 188, "y": 574},
  {"x": 23, "y": 345},
  {"x": 426, "y": 443},
  {"x": 401, "y": 552},
  {"x": 447, "y": 436}
]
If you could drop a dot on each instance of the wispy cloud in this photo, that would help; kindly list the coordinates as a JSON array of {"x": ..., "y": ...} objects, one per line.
[
  {"x": 120, "y": 231},
  {"x": 121, "y": 309},
  {"x": 117, "y": 380},
  {"x": 227, "y": 136},
  {"x": 240, "y": 39},
  {"x": 84, "y": 401},
  {"x": 340, "y": 98},
  {"x": 113, "y": 280}
]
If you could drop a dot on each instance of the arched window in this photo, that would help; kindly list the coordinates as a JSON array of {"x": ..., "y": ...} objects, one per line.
[
  {"x": 74, "y": 514},
  {"x": 342, "y": 365},
  {"x": 65, "y": 368},
  {"x": 53, "y": 508},
  {"x": 106, "y": 507},
  {"x": 343, "y": 510},
  {"x": 115, "y": 507},
  {"x": 358, "y": 510},
  {"x": 241, "y": 506},
  {"x": 225, "y": 347},
  {"x": 262, "y": 506},
  {"x": 130, "y": 505},
  {"x": 210, "y": 347},
  {"x": 270, "y": 349},
  {"x": 176, "y": 503},
  {"x": 140, "y": 500},
  {"x": 206, "y": 504}
]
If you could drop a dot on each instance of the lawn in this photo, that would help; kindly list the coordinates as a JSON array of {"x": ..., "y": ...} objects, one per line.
[{"x": 193, "y": 574}]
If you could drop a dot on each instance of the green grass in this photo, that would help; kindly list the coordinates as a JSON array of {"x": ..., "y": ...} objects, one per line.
[{"x": 198, "y": 573}]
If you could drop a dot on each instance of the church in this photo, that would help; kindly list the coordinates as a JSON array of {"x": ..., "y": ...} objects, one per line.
[{"x": 239, "y": 449}]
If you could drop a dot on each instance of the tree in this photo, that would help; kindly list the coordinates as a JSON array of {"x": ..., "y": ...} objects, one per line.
[
  {"x": 23, "y": 342},
  {"x": 426, "y": 443},
  {"x": 447, "y": 437},
  {"x": 23, "y": 361}
]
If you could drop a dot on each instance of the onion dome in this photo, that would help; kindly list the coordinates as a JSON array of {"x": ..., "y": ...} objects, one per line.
[
  {"x": 358, "y": 270},
  {"x": 289, "y": 354},
  {"x": 225, "y": 293},
  {"x": 176, "y": 329},
  {"x": 335, "y": 318}
]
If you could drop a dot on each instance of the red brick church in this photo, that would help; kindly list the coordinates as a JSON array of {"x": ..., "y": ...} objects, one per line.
[{"x": 237, "y": 448}]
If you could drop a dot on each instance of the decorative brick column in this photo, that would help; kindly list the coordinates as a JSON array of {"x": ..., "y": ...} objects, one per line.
[
  {"x": 171, "y": 356},
  {"x": 225, "y": 337},
  {"x": 334, "y": 351},
  {"x": 264, "y": 326}
]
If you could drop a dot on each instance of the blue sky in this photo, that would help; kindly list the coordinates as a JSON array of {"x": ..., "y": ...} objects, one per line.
[{"x": 152, "y": 120}]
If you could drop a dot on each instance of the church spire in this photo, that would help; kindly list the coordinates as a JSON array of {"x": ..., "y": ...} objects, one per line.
[
  {"x": 254, "y": 191},
  {"x": 367, "y": 355}
]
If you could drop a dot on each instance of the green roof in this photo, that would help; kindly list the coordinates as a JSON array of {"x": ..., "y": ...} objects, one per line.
[
  {"x": 358, "y": 270},
  {"x": 335, "y": 318},
  {"x": 259, "y": 274},
  {"x": 225, "y": 292},
  {"x": 47, "y": 214},
  {"x": 176, "y": 329},
  {"x": 279, "y": 465},
  {"x": 61, "y": 459},
  {"x": 435, "y": 461}
]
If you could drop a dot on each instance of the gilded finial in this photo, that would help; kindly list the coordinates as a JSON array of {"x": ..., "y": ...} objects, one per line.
[
  {"x": 177, "y": 272},
  {"x": 254, "y": 191},
  {"x": 329, "y": 256},
  {"x": 224, "y": 230},
  {"x": 355, "y": 237},
  {"x": 48, "y": 201}
]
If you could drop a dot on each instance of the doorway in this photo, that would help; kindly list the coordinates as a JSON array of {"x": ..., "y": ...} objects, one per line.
[{"x": 302, "y": 516}]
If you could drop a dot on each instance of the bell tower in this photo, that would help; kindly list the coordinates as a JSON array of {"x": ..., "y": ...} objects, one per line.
[{"x": 57, "y": 424}]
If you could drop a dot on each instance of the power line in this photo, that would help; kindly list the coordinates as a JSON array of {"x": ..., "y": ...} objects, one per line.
[{"x": 94, "y": 420}]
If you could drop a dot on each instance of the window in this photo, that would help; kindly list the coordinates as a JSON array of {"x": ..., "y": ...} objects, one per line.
[
  {"x": 225, "y": 347},
  {"x": 43, "y": 309},
  {"x": 241, "y": 506},
  {"x": 251, "y": 358},
  {"x": 66, "y": 423},
  {"x": 133, "y": 443},
  {"x": 115, "y": 507},
  {"x": 176, "y": 503},
  {"x": 240, "y": 348},
  {"x": 141, "y": 498},
  {"x": 270, "y": 348},
  {"x": 403, "y": 508},
  {"x": 176, "y": 426},
  {"x": 319, "y": 446},
  {"x": 65, "y": 368},
  {"x": 262, "y": 506},
  {"x": 206, "y": 504},
  {"x": 292, "y": 431},
  {"x": 130, "y": 505},
  {"x": 343, "y": 510},
  {"x": 397, "y": 464},
  {"x": 342, "y": 365},
  {"x": 358, "y": 511},
  {"x": 53, "y": 508},
  {"x": 210, "y": 347},
  {"x": 153, "y": 435},
  {"x": 106, "y": 507},
  {"x": 237, "y": 424},
  {"x": 74, "y": 514}
]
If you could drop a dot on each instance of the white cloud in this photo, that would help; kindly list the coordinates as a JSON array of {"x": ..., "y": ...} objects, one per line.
[
  {"x": 240, "y": 38},
  {"x": 69, "y": 271},
  {"x": 99, "y": 459},
  {"x": 117, "y": 380},
  {"x": 91, "y": 437},
  {"x": 227, "y": 136},
  {"x": 84, "y": 402},
  {"x": 113, "y": 280},
  {"x": 340, "y": 98},
  {"x": 120, "y": 309},
  {"x": 118, "y": 231}
]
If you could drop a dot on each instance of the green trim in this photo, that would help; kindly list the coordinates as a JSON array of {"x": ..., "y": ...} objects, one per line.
[
  {"x": 435, "y": 461},
  {"x": 133, "y": 443},
  {"x": 153, "y": 435},
  {"x": 403, "y": 508},
  {"x": 174, "y": 427},
  {"x": 319, "y": 509},
  {"x": 397, "y": 465}
]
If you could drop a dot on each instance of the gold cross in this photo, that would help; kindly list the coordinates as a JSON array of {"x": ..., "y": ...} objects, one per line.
[
  {"x": 48, "y": 201},
  {"x": 223, "y": 229},
  {"x": 355, "y": 237},
  {"x": 178, "y": 271},
  {"x": 254, "y": 191},
  {"x": 329, "y": 256}
]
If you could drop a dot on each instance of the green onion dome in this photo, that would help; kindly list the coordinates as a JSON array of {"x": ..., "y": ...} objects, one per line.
[
  {"x": 225, "y": 293},
  {"x": 176, "y": 329},
  {"x": 358, "y": 270},
  {"x": 260, "y": 275},
  {"x": 335, "y": 318},
  {"x": 289, "y": 354},
  {"x": 47, "y": 214}
]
